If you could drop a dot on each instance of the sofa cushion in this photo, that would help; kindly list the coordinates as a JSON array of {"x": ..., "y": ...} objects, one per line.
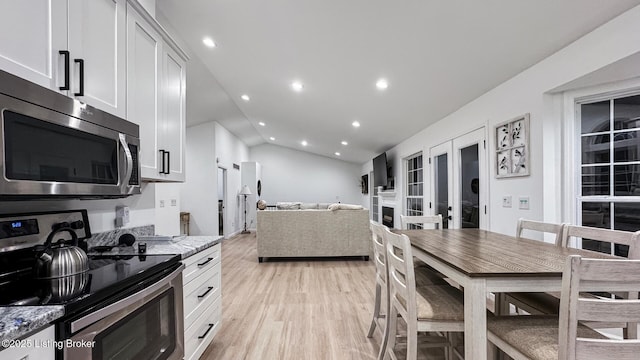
[
  {"x": 309, "y": 206},
  {"x": 345, "y": 207},
  {"x": 288, "y": 206}
]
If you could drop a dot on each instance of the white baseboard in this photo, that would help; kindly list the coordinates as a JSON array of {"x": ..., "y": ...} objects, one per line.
[{"x": 233, "y": 234}]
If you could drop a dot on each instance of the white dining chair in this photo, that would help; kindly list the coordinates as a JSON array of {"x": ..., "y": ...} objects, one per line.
[
  {"x": 534, "y": 303},
  {"x": 382, "y": 291},
  {"x": 433, "y": 308},
  {"x": 549, "y": 337},
  {"x": 434, "y": 221}
]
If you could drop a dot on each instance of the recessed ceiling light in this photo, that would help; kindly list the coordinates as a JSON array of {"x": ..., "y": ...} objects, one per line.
[
  {"x": 344, "y": 143},
  {"x": 304, "y": 143},
  {"x": 337, "y": 153},
  {"x": 382, "y": 84},
  {"x": 355, "y": 124},
  {"x": 261, "y": 123},
  {"x": 245, "y": 97},
  {"x": 272, "y": 138},
  {"x": 297, "y": 86},
  {"x": 209, "y": 42}
]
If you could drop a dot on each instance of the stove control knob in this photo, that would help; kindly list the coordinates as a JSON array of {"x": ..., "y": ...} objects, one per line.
[{"x": 77, "y": 224}]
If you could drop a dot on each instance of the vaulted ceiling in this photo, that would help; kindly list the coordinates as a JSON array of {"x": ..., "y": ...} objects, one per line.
[{"x": 435, "y": 55}]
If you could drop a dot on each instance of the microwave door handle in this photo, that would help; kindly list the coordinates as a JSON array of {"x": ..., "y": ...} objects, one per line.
[{"x": 128, "y": 160}]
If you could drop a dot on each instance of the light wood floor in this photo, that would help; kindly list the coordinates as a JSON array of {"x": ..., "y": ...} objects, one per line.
[{"x": 293, "y": 309}]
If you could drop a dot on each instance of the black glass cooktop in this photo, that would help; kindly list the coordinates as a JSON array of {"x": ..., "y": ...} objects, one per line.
[{"x": 107, "y": 277}]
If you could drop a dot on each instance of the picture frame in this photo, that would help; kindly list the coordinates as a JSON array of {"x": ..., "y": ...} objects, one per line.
[
  {"x": 364, "y": 184},
  {"x": 512, "y": 147}
]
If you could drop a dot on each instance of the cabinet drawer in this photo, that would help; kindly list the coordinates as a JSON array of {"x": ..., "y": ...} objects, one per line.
[
  {"x": 33, "y": 348},
  {"x": 200, "y": 334},
  {"x": 200, "y": 293},
  {"x": 200, "y": 263}
]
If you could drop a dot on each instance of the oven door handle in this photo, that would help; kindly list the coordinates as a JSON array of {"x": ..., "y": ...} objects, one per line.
[
  {"x": 122, "y": 304},
  {"x": 129, "y": 162}
]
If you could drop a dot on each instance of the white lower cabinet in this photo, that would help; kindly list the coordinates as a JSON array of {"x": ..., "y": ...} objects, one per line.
[
  {"x": 202, "y": 300},
  {"x": 39, "y": 346}
]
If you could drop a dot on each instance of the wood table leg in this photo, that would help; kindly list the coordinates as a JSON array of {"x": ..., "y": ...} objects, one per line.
[{"x": 475, "y": 319}]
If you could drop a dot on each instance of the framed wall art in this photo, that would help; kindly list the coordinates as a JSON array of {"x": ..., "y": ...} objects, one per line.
[{"x": 512, "y": 147}]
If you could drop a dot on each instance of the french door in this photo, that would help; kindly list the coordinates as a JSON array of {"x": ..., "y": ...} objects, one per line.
[{"x": 458, "y": 181}]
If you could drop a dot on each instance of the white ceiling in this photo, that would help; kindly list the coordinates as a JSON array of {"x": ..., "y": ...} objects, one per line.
[{"x": 437, "y": 56}]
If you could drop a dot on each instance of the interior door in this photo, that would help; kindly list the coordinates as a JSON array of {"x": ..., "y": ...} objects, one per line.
[
  {"x": 222, "y": 203},
  {"x": 458, "y": 186},
  {"x": 441, "y": 192}
]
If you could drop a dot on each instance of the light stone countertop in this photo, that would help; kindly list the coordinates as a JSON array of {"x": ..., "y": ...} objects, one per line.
[
  {"x": 182, "y": 245},
  {"x": 16, "y": 321}
]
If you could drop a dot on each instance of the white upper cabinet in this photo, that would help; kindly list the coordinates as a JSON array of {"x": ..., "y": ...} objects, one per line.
[
  {"x": 34, "y": 33},
  {"x": 144, "y": 55},
  {"x": 174, "y": 113},
  {"x": 156, "y": 99},
  {"x": 76, "y": 47},
  {"x": 97, "y": 44}
]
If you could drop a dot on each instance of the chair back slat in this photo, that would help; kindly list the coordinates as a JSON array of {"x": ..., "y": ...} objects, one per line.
[
  {"x": 402, "y": 282},
  {"x": 379, "y": 251},
  {"x": 580, "y": 275},
  {"x": 607, "y": 349},
  {"x": 422, "y": 220},
  {"x": 605, "y": 235},
  {"x": 555, "y": 229},
  {"x": 613, "y": 310}
]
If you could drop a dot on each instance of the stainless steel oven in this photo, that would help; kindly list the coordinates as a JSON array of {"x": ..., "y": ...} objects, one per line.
[
  {"x": 145, "y": 325},
  {"x": 52, "y": 145}
]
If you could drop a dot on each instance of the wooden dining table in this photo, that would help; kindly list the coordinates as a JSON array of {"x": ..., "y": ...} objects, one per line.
[{"x": 482, "y": 262}]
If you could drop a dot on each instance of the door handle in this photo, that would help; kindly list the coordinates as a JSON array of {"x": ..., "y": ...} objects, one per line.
[
  {"x": 81, "y": 90},
  {"x": 450, "y": 217},
  {"x": 128, "y": 161},
  {"x": 168, "y": 163},
  {"x": 65, "y": 53}
]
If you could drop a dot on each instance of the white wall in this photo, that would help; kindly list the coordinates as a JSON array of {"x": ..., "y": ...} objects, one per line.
[
  {"x": 528, "y": 92},
  {"x": 231, "y": 150},
  {"x": 290, "y": 175},
  {"x": 210, "y": 146}
]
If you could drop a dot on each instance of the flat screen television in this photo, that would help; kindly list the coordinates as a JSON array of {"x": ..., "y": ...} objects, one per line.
[{"x": 380, "y": 170}]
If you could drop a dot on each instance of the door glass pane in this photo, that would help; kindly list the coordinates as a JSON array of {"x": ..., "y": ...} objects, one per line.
[
  {"x": 41, "y": 151},
  {"x": 147, "y": 333},
  {"x": 626, "y": 113},
  {"x": 595, "y": 180},
  {"x": 595, "y": 149},
  {"x": 627, "y": 218},
  {"x": 442, "y": 189},
  {"x": 626, "y": 146},
  {"x": 595, "y": 117},
  {"x": 469, "y": 181},
  {"x": 627, "y": 180},
  {"x": 596, "y": 214}
]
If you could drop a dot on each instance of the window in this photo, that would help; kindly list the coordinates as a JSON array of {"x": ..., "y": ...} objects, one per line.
[
  {"x": 415, "y": 185},
  {"x": 374, "y": 199},
  {"x": 610, "y": 167}
]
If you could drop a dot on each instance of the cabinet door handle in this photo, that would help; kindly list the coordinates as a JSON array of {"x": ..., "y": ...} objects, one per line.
[
  {"x": 81, "y": 82},
  {"x": 206, "y": 262},
  {"x": 206, "y": 292},
  {"x": 168, "y": 163},
  {"x": 65, "y": 53},
  {"x": 161, "y": 171},
  {"x": 206, "y": 332}
]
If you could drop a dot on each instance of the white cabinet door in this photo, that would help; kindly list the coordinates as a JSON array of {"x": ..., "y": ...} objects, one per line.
[
  {"x": 174, "y": 114},
  {"x": 35, "y": 347},
  {"x": 97, "y": 37},
  {"x": 34, "y": 32},
  {"x": 144, "y": 56}
]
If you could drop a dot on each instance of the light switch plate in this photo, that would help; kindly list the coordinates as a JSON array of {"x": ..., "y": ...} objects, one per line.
[
  {"x": 506, "y": 201},
  {"x": 174, "y": 202},
  {"x": 161, "y": 203},
  {"x": 524, "y": 202}
]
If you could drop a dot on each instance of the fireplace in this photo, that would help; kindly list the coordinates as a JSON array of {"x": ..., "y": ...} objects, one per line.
[{"x": 387, "y": 216}]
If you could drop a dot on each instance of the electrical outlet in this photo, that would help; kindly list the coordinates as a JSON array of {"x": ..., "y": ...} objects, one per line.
[
  {"x": 174, "y": 202},
  {"x": 506, "y": 201},
  {"x": 523, "y": 202},
  {"x": 161, "y": 203}
]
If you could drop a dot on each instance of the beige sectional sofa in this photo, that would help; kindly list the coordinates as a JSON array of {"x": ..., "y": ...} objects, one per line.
[{"x": 313, "y": 233}]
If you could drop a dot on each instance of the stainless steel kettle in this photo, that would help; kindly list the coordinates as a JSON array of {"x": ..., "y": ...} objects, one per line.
[{"x": 61, "y": 260}]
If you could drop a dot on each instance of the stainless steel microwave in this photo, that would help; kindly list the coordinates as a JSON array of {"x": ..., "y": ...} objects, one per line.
[{"x": 55, "y": 146}]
